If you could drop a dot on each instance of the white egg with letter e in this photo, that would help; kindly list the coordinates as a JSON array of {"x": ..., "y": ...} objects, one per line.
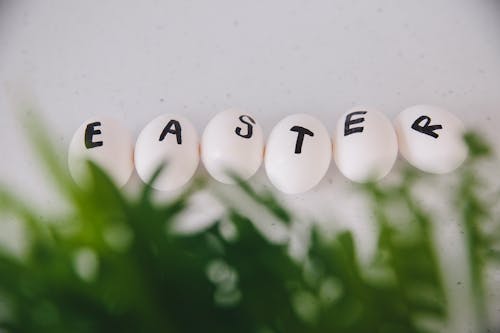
[
  {"x": 172, "y": 141},
  {"x": 105, "y": 142},
  {"x": 232, "y": 145},
  {"x": 298, "y": 153},
  {"x": 365, "y": 145},
  {"x": 431, "y": 139}
]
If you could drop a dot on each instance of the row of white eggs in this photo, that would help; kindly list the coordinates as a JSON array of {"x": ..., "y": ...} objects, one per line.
[{"x": 297, "y": 154}]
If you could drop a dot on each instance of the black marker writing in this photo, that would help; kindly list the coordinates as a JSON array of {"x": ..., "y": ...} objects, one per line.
[
  {"x": 90, "y": 131},
  {"x": 349, "y": 121},
  {"x": 175, "y": 130},
  {"x": 426, "y": 128},
  {"x": 300, "y": 137},
  {"x": 249, "y": 123}
]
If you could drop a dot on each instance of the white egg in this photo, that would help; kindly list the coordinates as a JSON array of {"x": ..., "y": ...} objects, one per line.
[
  {"x": 298, "y": 153},
  {"x": 365, "y": 145},
  {"x": 232, "y": 144},
  {"x": 170, "y": 140},
  {"x": 431, "y": 139},
  {"x": 105, "y": 142}
]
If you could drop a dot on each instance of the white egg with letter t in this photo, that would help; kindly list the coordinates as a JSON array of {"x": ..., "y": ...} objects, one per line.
[
  {"x": 365, "y": 145},
  {"x": 170, "y": 140},
  {"x": 431, "y": 139},
  {"x": 105, "y": 142},
  {"x": 298, "y": 153},
  {"x": 232, "y": 145}
]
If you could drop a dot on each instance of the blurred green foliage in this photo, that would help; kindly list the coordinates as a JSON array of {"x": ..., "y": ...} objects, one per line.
[{"x": 112, "y": 263}]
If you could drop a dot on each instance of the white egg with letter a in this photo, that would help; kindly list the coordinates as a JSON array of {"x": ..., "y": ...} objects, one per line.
[
  {"x": 431, "y": 139},
  {"x": 105, "y": 142},
  {"x": 232, "y": 145},
  {"x": 298, "y": 153},
  {"x": 365, "y": 145},
  {"x": 169, "y": 140}
]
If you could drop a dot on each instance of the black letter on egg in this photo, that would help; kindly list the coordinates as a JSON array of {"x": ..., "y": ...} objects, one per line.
[
  {"x": 249, "y": 133},
  {"x": 176, "y": 130},
  {"x": 348, "y": 122},
  {"x": 300, "y": 137},
  {"x": 90, "y": 131},
  {"x": 427, "y": 128}
]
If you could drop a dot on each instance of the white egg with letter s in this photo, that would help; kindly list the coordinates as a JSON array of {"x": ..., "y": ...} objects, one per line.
[
  {"x": 105, "y": 142},
  {"x": 431, "y": 139},
  {"x": 232, "y": 145},
  {"x": 169, "y": 140},
  {"x": 365, "y": 145},
  {"x": 298, "y": 153}
]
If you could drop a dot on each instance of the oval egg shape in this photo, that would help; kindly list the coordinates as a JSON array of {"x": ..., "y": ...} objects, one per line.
[
  {"x": 170, "y": 140},
  {"x": 107, "y": 143},
  {"x": 298, "y": 153},
  {"x": 232, "y": 145},
  {"x": 431, "y": 139},
  {"x": 365, "y": 145}
]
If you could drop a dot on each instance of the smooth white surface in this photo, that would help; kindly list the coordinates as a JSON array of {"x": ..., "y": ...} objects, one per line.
[
  {"x": 298, "y": 153},
  {"x": 115, "y": 154},
  {"x": 439, "y": 150},
  {"x": 135, "y": 60},
  {"x": 177, "y": 149},
  {"x": 226, "y": 153},
  {"x": 368, "y": 153}
]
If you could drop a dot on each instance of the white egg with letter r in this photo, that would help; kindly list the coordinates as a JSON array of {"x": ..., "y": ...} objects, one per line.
[{"x": 431, "y": 138}]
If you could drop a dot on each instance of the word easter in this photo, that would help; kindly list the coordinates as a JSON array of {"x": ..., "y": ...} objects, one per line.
[{"x": 296, "y": 157}]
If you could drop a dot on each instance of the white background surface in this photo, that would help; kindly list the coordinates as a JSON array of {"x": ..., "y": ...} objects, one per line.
[{"x": 135, "y": 60}]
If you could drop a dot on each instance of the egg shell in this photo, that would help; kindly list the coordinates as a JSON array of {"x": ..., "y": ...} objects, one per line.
[
  {"x": 170, "y": 140},
  {"x": 431, "y": 139},
  {"x": 232, "y": 144},
  {"x": 106, "y": 142},
  {"x": 365, "y": 145},
  {"x": 293, "y": 168}
]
